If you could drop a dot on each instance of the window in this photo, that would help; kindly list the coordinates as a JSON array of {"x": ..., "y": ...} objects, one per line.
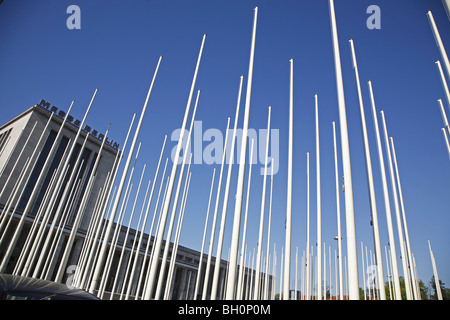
[{"x": 4, "y": 139}]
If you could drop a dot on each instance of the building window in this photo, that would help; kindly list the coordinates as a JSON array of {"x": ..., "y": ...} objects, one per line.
[{"x": 4, "y": 139}]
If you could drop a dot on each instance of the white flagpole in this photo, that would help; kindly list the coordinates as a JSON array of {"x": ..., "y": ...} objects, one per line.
[
  {"x": 296, "y": 274},
  {"x": 102, "y": 255},
  {"x": 159, "y": 238},
  {"x": 244, "y": 235},
  {"x": 287, "y": 263},
  {"x": 447, "y": 143},
  {"x": 319, "y": 208},
  {"x": 147, "y": 247},
  {"x": 388, "y": 273},
  {"x": 338, "y": 211},
  {"x": 396, "y": 280},
  {"x": 200, "y": 264},
  {"x": 216, "y": 208},
  {"x": 364, "y": 271},
  {"x": 92, "y": 254},
  {"x": 125, "y": 241},
  {"x": 439, "y": 43},
  {"x": 230, "y": 294},
  {"x": 435, "y": 273},
  {"x": 308, "y": 260},
  {"x": 162, "y": 269},
  {"x": 266, "y": 280},
  {"x": 397, "y": 212},
  {"x": 349, "y": 206},
  {"x": 373, "y": 204},
  {"x": 405, "y": 225},
  {"x": 144, "y": 223},
  {"x": 261, "y": 219},
  {"x": 444, "y": 116},
  {"x": 215, "y": 282},
  {"x": 444, "y": 82}
]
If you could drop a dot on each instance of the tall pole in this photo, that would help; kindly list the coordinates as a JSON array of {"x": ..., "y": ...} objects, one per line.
[
  {"x": 444, "y": 116},
  {"x": 261, "y": 218},
  {"x": 439, "y": 43},
  {"x": 244, "y": 233},
  {"x": 338, "y": 210},
  {"x": 287, "y": 261},
  {"x": 102, "y": 255},
  {"x": 266, "y": 280},
  {"x": 435, "y": 273},
  {"x": 319, "y": 208},
  {"x": 405, "y": 225},
  {"x": 397, "y": 212},
  {"x": 225, "y": 202},
  {"x": 175, "y": 204},
  {"x": 349, "y": 206},
  {"x": 159, "y": 239},
  {"x": 373, "y": 204},
  {"x": 200, "y": 264},
  {"x": 308, "y": 260},
  {"x": 230, "y": 294},
  {"x": 444, "y": 82},
  {"x": 216, "y": 208},
  {"x": 395, "y": 275}
]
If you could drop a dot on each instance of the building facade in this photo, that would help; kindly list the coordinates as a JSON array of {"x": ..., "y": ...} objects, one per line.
[{"x": 32, "y": 158}]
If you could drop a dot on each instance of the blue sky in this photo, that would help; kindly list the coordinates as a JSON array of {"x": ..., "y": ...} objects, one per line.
[{"x": 118, "y": 46}]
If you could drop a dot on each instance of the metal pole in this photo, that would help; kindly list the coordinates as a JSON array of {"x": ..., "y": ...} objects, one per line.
[
  {"x": 102, "y": 255},
  {"x": 261, "y": 219},
  {"x": 199, "y": 272},
  {"x": 387, "y": 205},
  {"x": 405, "y": 225},
  {"x": 175, "y": 204},
  {"x": 287, "y": 263},
  {"x": 338, "y": 210},
  {"x": 225, "y": 207},
  {"x": 308, "y": 261},
  {"x": 439, "y": 43},
  {"x": 397, "y": 212},
  {"x": 435, "y": 273},
  {"x": 230, "y": 294},
  {"x": 373, "y": 204},
  {"x": 216, "y": 208},
  {"x": 319, "y": 208},
  {"x": 244, "y": 235},
  {"x": 266, "y": 280},
  {"x": 444, "y": 82},
  {"x": 159, "y": 239},
  {"x": 349, "y": 206}
]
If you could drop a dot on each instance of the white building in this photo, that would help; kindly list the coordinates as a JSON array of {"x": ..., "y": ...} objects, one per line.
[{"x": 19, "y": 140}]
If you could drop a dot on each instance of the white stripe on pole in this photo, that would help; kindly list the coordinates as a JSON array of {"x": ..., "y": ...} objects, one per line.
[{"x": 349, "y": 206}]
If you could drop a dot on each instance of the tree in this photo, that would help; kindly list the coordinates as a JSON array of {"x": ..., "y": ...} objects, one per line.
[
  {"x": 445, "y": 291},
  {"x": 423, "y": 289}
]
